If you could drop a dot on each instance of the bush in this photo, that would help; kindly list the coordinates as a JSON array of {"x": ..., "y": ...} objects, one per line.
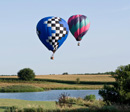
[
  {"x": 120, "y": 91},
  {"x": 77, "y": 80},
  {"x": 65, "y": 73},
  {"x": 80, "y": 101},
  {"x": 71, "y": 100},
  {"x": 90, "y": 97},
  {"x": 98, "y": 103},
  {"x": 26, "y": 74},
  {"x": 11, "y": 109},
  {"x": 63, "y": 99}
]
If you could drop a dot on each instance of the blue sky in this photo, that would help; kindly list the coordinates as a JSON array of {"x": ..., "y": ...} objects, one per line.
[{"x": 105, "y": 46}]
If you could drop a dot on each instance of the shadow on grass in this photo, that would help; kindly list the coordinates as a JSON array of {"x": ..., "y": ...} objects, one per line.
[{"x": 4, "y": 107}]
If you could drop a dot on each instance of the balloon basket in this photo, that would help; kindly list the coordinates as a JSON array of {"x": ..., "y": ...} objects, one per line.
[
  {"x": 52, "y": 58},
  {"x": 78, "y": 44}
]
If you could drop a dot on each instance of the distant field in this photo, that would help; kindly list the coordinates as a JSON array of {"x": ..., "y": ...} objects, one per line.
[
  {"x": 62, "y": 81},
  {"x": 104, "y": 78}
]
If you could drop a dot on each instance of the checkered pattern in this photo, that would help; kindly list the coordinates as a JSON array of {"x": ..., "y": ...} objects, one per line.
[
  {"x": 38, "y": 32},
  {"x": 60, "y": 31}
]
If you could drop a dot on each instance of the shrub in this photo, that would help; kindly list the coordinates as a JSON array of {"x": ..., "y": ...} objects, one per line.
[
  {"x": 80, "y": 101},
  {"x": 98, "y": 103},
  {"x": 71, "y": 100},
  {"x": 74, "y": 100},
  {"x": 63, "y": 98},
  {"x": 88, "y": 103},
  {"x": 90, "y": 97},
  {"x": 120, "y": 91},
  {"x": 30, "y": 110},
  {"x": 77, "y": 80},
  {"x": 26, "y": 74},
  {"x": 11, "y": 109}
]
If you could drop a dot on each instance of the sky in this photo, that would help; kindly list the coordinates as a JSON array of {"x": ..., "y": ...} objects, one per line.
[{"x": 105, "y": 46}]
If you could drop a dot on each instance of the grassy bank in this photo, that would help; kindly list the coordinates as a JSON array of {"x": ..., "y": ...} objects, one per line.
[{"x": 20, "y": 88}]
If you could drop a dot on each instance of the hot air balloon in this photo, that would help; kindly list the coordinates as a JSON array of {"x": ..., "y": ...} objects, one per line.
[
  {"x": 52, "y": 31},
  {"x": 78, "y": 26}
]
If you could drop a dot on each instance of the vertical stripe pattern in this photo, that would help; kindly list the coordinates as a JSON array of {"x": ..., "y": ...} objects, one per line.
[{"x": 78, "y": 26}]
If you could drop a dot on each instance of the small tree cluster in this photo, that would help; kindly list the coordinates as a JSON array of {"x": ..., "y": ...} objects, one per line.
[
  {"x": 90, "y": 97},
  {"x": 63, "y": 100},
  {"x": 120, "y": 91},
  {"x": 65, "y": 73},
  {"x": 77, "y": 80},
  {"x": 26, "y": 74}
]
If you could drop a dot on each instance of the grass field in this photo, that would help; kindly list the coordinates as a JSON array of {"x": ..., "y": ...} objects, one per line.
[
  {"x": 4, "y": 103},
  {"x": 61, "y": 81},
  {"x": 50, "y": 106}
]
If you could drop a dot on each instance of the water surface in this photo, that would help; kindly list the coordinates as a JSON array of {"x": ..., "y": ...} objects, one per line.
[{"x": 51, "y": 95}]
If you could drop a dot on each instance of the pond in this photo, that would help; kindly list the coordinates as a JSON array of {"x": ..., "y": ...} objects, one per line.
[{"x": 51, "y": 95}]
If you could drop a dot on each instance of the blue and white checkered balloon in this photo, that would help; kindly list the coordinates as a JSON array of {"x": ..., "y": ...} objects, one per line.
[{"x": 52, "y": 31}]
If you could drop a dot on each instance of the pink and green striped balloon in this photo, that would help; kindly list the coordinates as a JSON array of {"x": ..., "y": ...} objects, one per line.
[{"x": 78, "y": 25}]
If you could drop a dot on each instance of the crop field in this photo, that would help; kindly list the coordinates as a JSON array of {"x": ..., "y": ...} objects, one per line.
[
  {"x": 104, "y": 78},
  {"x": 61, "y": 81}
]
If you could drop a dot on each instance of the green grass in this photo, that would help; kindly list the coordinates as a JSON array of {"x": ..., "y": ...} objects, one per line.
[
  {"x": 20, "y": 88},
  {"x": 26, "y": 103},
  {"x": 50, "y": 106},
  {"x": 6, "y": 103}
]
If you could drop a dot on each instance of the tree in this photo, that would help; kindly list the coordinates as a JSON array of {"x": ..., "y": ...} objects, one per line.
[
  {"x": 120, "y": 91},
  {"x": 65, "y": 73},
  {"x": 77, "y": 80},
  {"x": 26, "y": 74}
]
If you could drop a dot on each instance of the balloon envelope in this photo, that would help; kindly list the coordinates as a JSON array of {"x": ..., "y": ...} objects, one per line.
[
  {"x": 78, "y": 25},
  {"x": 52, "y": 31}
]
